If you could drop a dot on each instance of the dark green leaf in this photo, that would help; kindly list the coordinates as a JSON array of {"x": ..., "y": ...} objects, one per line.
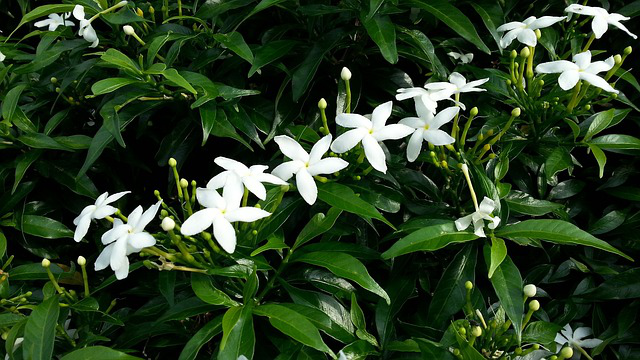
[
  {"x": 173, "y": 76},
  {"x": 383, "y": 32},
  {"x": 616, "y": 141},
  {"x": 430, "y": 238},
  {"x": 523, "y": 203},
  {"x": 498, "y": 253},
  {"x": 342, "y": 197},
  {"x": 204, "y": 289},
  {"x": 235, "y": 42},
  {"x": 200, "y": 338},
  {"x": 40, "y": 330},
  {"x": 318, "y": 225},
  {"x": 507, "y": 283},
  {"x": 98, "y": 353},
  {"x": 43, "y": 227},
  {"x": 106, "y": 86}
]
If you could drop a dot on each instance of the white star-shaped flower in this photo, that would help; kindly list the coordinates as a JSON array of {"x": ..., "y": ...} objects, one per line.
[
  {"x": 524, "y": 31},
  {"x": 601, "y": 19},
  {"x": 574, "y": 339},
  {"x": 86, "y": 30},
  {"x": 580, "y": 69},
  {"x": 125, "y": 239},
  {"x": 418, "y": 94},
  {"x": 464, "y": 58},
  {"x": 238, "y": 174},
  {"x": 306, "y": 165},
  {"x": 99, "y": 210},
  {"x": 54, "y": 21},
  {"x": 482, "y": 213},
  {"x": 457, "y": 84},
  {"x": 220, "y": 212},
  {"x": 427, "y": 127},
  {"x": 371, "y": 133}
]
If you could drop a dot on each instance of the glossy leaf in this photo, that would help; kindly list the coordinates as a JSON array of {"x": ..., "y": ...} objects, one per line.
[
  {"x": 430, "y": 238},
  {"x": 507, "y": 283},
  {"x": 383, "y": 32},
  {"x": 40, "y": 330},
  {"x": 98, "y": 353},
  {"x": 342, "y": 197},
  {"x": 205, "y": 290},
  {"x": 200, "y": 338},
  {"x": 498, "y": 254}
]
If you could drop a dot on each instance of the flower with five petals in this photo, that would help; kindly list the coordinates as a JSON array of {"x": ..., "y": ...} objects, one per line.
[
  {"x": 576, "y": 339},
  {"x": 580, "y": 69},
  {"x": 482, "y": 213},
  {"x": 238, "y": 174},
  {"x": 464, "y": 58},
  {"x": 601, "y": 19},
  {"x": 427, "y": 127},
  {"x": 86, "y": 30},
  {"x": 524, "y": 31},
  {"x": 54, "y": 21},
  {"x": 457, "y": 84},
  {"x": 99, "y": 210},
  {"x": 422, "y": 95},
  {"x": 306, "y": 165},
  {"x": 371, "y": 133},
  {"x": 125, "y": 239}
]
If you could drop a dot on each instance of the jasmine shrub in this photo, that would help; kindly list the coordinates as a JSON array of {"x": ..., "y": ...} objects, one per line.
[{"x": 280, "y": 180}]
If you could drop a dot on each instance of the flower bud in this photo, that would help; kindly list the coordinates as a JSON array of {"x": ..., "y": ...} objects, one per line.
[
  {"x": 534, "y": 305},
  {"x": 516, "y": 112},
  {"x": 46, "y": 263},
  {"x": 82, "y": 261},
  {"x": 54, "y": 80},
  {"x": 538, "y": 33},
  {"x": 128, "y": 29},
  {"x": 468, "y": 285},
  {"x": 490, "y": 132},
  {"x": 628, "y": 50},
  {"x": 168, "y": 224},
  {"x": 345, "y": 74},
  {"x": 530, "y": 290},
  {"x": 172, "y": 162},
  {"x": 525, "y": 52},
  {"x": 566, "y": 352},
  {"x": 492, "y": 156},
  {"x": 184, "y": 183},
  {"x": 123, "y": 3},
  {"x": 617, "y": 59},
  {"x": 139, "y": 12},
  {"x": 476, "y": 331},
  {"x": 587, "y": 107},
  {"x": 514, "y": 54},
  {"x": 486, "y": 147},
  {"x": 322, "y": 104},
  {"x": 462, "y": 331},
  {"x": 444, "y": 163},
  {"x": 152, "y": 10},
  {"x": 254, "y": 232},
  {"x": 473, "y": 111}
]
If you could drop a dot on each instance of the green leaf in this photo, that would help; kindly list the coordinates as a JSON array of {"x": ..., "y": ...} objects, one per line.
[
  {"x": 556, "y": 231},
  {"x": 41, "y": 141},
  {"x": 293, "y": 325},
  {"x": 524, "y": 203},
  {"x": 204, "y": 289},
  {"x": 383, "y": 32},
  {"x": 345, "y": 266},
  {"x": 454, "y": 18},
  {"x": 173, "y": 76},
  {"x": 273, "y": 243},
  {"x": 23, "y": 162},
  {"x": 616, "y": 141},
  {"x": 318, "y": 225},
  {"x": 433, "y": 350},
  {"x": 618, "y": 287},
  {"x": 601, "y": 158},
  {"x": 558, "y": 160},
  {"x": 40, "y": 330},
  {"x": 167, "y": 285},
  {"x": 3, "y": 245},
  {"x": 43, "y": 227},
  {"x": 430, "y": 238},
  {"x": 98, "y": 353},
  {"x": 238, "y": 334},
  {"x": 120, "y": 61},
  {"x": 541, "y": 332},
  {"x": 450, "y": 294},
  {"x": 43, "y": 10},
  {"x": 342, "y": 197},
  {"x": 424, "y": 44},
  {"x": 208, "y": 119},
  {"x": 235, "y": 42},
  {"x": 492, "y": 16},
  {"x": 498, "y": 253},
  {"x": 357, "y": 318},
  {"x": 270, "y": 52},
  {"x": 106, "y": 86},
  {"x": 200, "y": 338},
  {"x": 600, "y": 122},
  {"x": 507, "y": 283},
  {"x": 10, "y": 102}
]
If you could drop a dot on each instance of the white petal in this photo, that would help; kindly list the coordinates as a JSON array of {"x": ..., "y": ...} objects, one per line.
[
  {"x": 528, "y": 37},
  {"x": 582, "y": 59},
  {"x": 134, "y": 217},
  {"x": 230, "y": 164},
  {"x": 443, "y": 117},
  {"x": 255, "y": 187},
  {"x": 141, "y": 240},
  {"x": 225, "y": 234},
  {"x": 429, "y": 102},
  {"x": 555, "y": 67},
  {"x": 415, "y": 145},
  {"x": 232, "y": 194},
  {"x": 306, "y": 186},
  {"x": 600, "y": 66},
  {"x": 353, "y": 121},
  {"x": 589, "y": 343},
  {"x": 209, "y": 198},
  {"x": 424, "y": 110},
  {"x": 380, "y": 115},
  {"x": 327, "y": 166},
  {"x": 568, "y": 79},
  {"x": 286, "y": 170},
  {"x": 83, "y": 227},
  {"x": 472, "y": 86},
  {"x": 440, "y": 85},
  {"x": 487, "y": 205},
  {"x": 622, "y": 27},
  {"x": 257, "y": 169},
  {"x": 455, "y": 55},
  {"x": 510, "y": 26},
  {"x": 78, "y": 12},
  {"x": 348, "y": 140},
  {"x": 545, "y": 21},
  {"x": 100, "y": 200},
  {"x": 438, "y": 137},
  {"x": 508, "y": 38},
  {"x": 103, "y": 259},
  {"x": 291, "y": 149},
  {"x": 392, "y": 132},
  {"x": 457, "y": 79},
  {"x": 319, "y": 149},
  {"x": 408, "y": 93},
  {"x": 123, "y": 271},
  {"x": 147, "y": 216},
  {"x": 103, "y": 211},
  {"x": 581, "y": 333},
  {"x": 495, "y": 221},
  {"x": 463, "y": 222},
  {"x": 560, "y": 340},
  {"x": 374, "y": 153},
  {"x": 246, "y": 214},
  {"x": 115, "y": 197},
  {"x": 271, "y": 179},
  {"x": 86, "y": 211},
  {"x": 478, "y": 228},
  {"x": 597, "y": 81},
  {"x": 114, "y": 234},
  {"x": 582, "y": 10},
  {"x": 567, "y": 332},
  {"x": 414, "y": 122},
  {"x": 119, "y": 253},
  {"x": 599, "y": 26},
  {"x": 199, "y": 221},
  {"x": 42, "y": 23},
  {"x": 218, "y": 181}
]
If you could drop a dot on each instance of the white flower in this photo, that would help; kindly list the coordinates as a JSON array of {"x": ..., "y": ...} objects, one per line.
[
  {"x": 220, "y": 212},
  {"x": 54, "y": 21},
  {"x": 427, "y": 127},
  {"x": 581, "y": 69},
  {"x": 524, "y": 31},
  {"x": 576, "y": 339},
  {"x": 345, "y": 74},
  {"x": 464, "y": 58},
  {"x": 128, "y": 29},
  {"x": 99, "y": 210},
  {"x": 422, "y": 95},
  {"x": 482, "y": 213},
  {"x": 238, "y": 174},
  {"x": 125, "y": 239},
  {"x": 2, "y": 57},
  {"x": 341, "y": 355},
  {"x": 306, "y": 165},
  {"x": 457, "y": 84},
  {"x": 601, "y": 19},
  {"x": 86, "y": 30},
  {"x": 370, "y": 133}
]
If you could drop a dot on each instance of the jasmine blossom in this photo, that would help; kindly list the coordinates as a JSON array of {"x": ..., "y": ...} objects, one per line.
[
  {"x": 580, "y": 69},
  {"x": 427, "y": 127},
  {"x": 525, "y": 31},
  {"x": 54, "y": 21},
  {"x": 239, "y": 175},
  {"x": 601, "y": 19},
  {"x": 99, "y": 210}
]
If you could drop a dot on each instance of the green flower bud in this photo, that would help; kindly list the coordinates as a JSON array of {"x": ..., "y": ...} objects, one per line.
[
  {"x": 46, "y": 263},
  {"x": 538, "y": 33},
  {"x": 345, "y": 74},
  {"x": 514, "y": 54},
  {"x": 82, "y": 261},
  {"x": 473, "y": 111},
  {"x": 254, "y": 232},
  {"x": 168, "y": 224},
  {"x": 467, "y": 285},
  {"x": 54, "y": 80},
  {"x": 322, "y": 104},
  {"x": 476, "y": 331},
  {"x": 486, "y": 147},
  {"x": 525, "y": 52},
  {"x": 534, "y": 305},
  {"x": 139, "y": 12},
  {"x": 444, "y": 163},
  {"x": 184, "y": 183},
  {"x": 566, "y": 352},
  {"x": 587, "y": 107},
  {"x": 462, "y": 331},
  {"x": 492, "y": 156},
  {"x": 152, "y": 10},
  {"x": 490, "y": 132},
  {"x": 530, "y": 290},
  {"x": 172, "y": 162},
  {"x": 617, "y": 59},
  {"x": 628, "y": 50}
]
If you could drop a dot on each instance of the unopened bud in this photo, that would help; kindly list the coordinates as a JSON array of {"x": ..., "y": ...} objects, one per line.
[
  {"x": 486, "y": 147},
  {"x": 152, "y": 10},
  {"x": 516, "y": 112},
  {"x": 172, "y": 162},
  {"x": 534, "y": 305},
  {"x": 254, "y": 232},
  {"x": 514, "y": 54},
  {"x": 168, "y": 224},
  {"x": 490, "y": 132},
  {"x": 492, "y": 156},
  {"x": 139, "y": 12},
  {"x": 164, "y": 213},
  {"x": 82, "y": 261},
  {"x": 184, "y": 183},
  {"x": 46, "y": 263},
  {"x": 525, "y": 52},
  {"x": 617, "y": 59},
  {"x": 322, "y": 104},
  {"x": 530, "y": 290},
  {"x": 473, "y": 111},
  {"x": 538, "y": 33},
  {"x": 566, "y": 352},
  {"x": 54, "y": 80},
  {"x": 128, "y": 29},
  {"x": 587, "y": 107},
  {"x": 628, "y": 50},
  {"x": 345, "y": 74},
  {"x": 444, "y": 163},
  {"x": 468, "y": 285}
]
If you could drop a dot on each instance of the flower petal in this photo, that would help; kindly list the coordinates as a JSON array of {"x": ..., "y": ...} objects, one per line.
[
  {"x": 597, "y": 81},
  {"x": 327, "y": 166},
  {"x": 486, "y": 206},
  {"x": 271, "y": 179},
  {"x": 443, "y": 117},
  {"x": 218, "y": 181},
  {"x": 392, "y": 132},
  {"x": 115, "y": 197},
  {"x": 319, "y": 149},
  {"x": 414, "y": 122},
  {"x": 374, "y": 153},
  {"x": 457, "y": 79},
  {"x": 230, "y": 164},
  {"x": 415, "y": 145},
  {"x": 463, "y": 222},
  {"x": 472, "y": 86},
  {"x": 225, "y": 234},
  {"x": 478, "y": 228},
  {"x": 568, "y": 79},
  {"x": 581, "y": 333},
  {"x": 600, "y": 66},
  {"x": 306, "y": 186},
  {"x": 209, "y": 198},
  {"x": 141, "y": 240},
  {"x": 545, "y": 21},
  {"x": 408, "y": 93},
  {"x": 554, "y": 67},
  {"x": 119, "y": 253},
  {"x": 589, "y": 343},
  {"x": 134, "y": 217},
  {"x": 86, "y": 211},
  {"x": 147, "y": 216},
  {"x": 508, "y": 38},
  {"x": 425, "y": 107},
  {"x": 599, "y": 26},
  {"x": 567, "y": 332},
  {"x": 582, "y": 59},
  {"x": 255, "y": 187},
  {"x": 291, "y": 148},
  {"x": 348, "y": 140},
  {"x": 380, "y": 115},
  {"x": 82, "y": 228},
  {"x": 246, "y": 214},
  {"x": 495, "y": 221},
  {"x": 199, "y": 221},
  {"x": 119, "y": 230},
  {"x": 42, "y": 23},
  {"x": 583, "y": 10},
  {"x": 438, "y": 137},
  {"x": 103, "y": 211},
  {"x": 353, "y": 121},
  {"x": 622, "y": 27},
  {"x": 78, "y": 12},
  {"x": 286, "y": 170},
  {"x": 528, "y": 37},
  {"x": 510, "y": 26},
  {"x": 123, "y": 271},
  {"x": 103, "y": 259}
]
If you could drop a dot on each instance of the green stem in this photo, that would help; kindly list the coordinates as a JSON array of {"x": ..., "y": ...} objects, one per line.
[
  {"x": 272, "y": 281},
  {"x": 574, "y": 99},
  {"x": 85, "y": 280},
  {"x": 454, "y": 130},
  {"x": 348, "y": 96},
  {"x": 586, "y": 47},
  {"x": 583, "y": 351}
]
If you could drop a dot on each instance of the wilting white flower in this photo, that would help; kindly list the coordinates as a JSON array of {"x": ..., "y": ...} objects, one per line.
[
  {"x": 524, "y": 31},
  {"x": 2, "y": 57},
  {"x": 601, "y": 19},
  {"x": 370, "y": 133},
  {"x": 86, "y": 30},
  {"x": 54, "y": 21},
  {"x": 580, "y": 69},
  {"x": 427, "y": 127},
  {"x": 482, "y": 213},
  {"x": 457, "y": 84},
  {"x": 99, "y": 210},
  {"x": 238, "y": 174},
  {"x": 306, "y": 165},
  {"x": 574, "y": 339},
  {"x": 464, "y": 58},
  {"x": 125, "y": 239},
  {"x": 220, "y": 212}
]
